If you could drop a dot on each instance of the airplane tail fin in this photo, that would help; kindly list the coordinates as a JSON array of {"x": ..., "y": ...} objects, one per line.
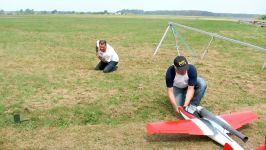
[
  {"x": 263, "y": 147},
  {"x": 227, "y": 147}
]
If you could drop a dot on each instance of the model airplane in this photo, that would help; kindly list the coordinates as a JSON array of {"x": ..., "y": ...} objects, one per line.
[{"x": 199, "y": 121}]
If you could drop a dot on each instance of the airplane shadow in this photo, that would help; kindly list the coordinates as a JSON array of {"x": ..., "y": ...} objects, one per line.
[
  {"x": 175, "y": 138},
  {"x": 178, "y": 138},
  {"x": 166, "y": 107}
]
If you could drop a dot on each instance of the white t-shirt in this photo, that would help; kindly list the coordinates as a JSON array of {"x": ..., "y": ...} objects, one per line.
[
  {"x": 181, "y": 81},
  {"x": 109, "y": 54}
]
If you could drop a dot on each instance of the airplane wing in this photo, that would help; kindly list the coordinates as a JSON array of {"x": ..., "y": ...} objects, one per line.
[
  {"x": 174, "y": 127},
  {"x": 238, "y": 119}
]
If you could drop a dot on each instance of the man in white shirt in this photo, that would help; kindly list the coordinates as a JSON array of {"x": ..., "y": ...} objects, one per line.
[{"x": 107, "y": 55}]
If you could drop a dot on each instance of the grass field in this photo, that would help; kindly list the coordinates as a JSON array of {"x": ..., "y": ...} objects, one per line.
[{"x": 47, "y": 74}]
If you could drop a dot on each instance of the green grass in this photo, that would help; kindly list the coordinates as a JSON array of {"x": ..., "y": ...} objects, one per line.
[{"x": 47, "y": 73}]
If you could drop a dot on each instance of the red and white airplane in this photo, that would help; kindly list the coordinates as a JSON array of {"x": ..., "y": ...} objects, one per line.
[{"x": 199, "y": 121}]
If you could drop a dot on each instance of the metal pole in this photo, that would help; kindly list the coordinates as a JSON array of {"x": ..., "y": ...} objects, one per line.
[
  {"x": 161, "y": 40},
  {"x": 263, "y": 65},
  {"x": 174, "y": 35},
  {"x": 186, "y": 45},
  {"x": 206, "y": 49}
]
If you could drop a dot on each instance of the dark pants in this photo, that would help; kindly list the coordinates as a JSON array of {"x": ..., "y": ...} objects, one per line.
[{"x": 106, "y": 67}]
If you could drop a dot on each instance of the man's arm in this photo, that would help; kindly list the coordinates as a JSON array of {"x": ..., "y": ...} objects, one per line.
[
  {"x": 97, "y": 45},
  {"x": 189, "y": 95},
  {"x": 103, "y": 60},
  {"x": 171, "y": 98},
  {"x": 97, "y": 53}
]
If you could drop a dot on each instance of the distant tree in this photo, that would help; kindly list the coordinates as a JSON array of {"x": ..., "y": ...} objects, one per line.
[
  {"x": 54, "y": 11},
  {"x": 20, "y": 12},
  {"x": 2, "y": 12},
  {"x": 43, "y": 12},
  {"x": 105, "y": 12},
  {"x": 29, "y": 11},
  {"x": 130, "y": 11},
  {"x": 263, "y": 17}
]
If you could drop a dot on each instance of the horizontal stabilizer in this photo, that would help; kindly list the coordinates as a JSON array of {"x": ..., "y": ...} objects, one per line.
[{"x": 238, "y": 119}]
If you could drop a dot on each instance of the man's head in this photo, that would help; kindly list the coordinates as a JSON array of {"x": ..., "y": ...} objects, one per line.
[
  {"x": 102, "y": 45},
  {"x": 181, "y": 65}
]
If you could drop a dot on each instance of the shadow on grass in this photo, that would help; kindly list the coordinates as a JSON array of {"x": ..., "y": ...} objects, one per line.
[
  {"x": 165, "y": 106},
  {"x": 196, "y": 139},
  {"x": 175, "y": 138}
]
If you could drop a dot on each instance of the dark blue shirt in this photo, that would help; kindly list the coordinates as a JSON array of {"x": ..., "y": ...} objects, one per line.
[{"x": 170, "y": 76}]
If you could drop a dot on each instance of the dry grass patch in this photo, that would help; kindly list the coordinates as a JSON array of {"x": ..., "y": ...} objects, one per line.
[{"x": 123, "y": 136}]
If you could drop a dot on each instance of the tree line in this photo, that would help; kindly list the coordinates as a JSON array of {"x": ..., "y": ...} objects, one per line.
[
  {"x": 189, "y": 13},
  {"x": 33, "y": 12},
  {"x": 137, "y": 12}
]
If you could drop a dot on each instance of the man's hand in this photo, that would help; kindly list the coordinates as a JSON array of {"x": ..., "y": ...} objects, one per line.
[
  {"x": 176, "y": 109},
  {"x": 96, "y": 49},
  {"x": 101, "y": 58}
]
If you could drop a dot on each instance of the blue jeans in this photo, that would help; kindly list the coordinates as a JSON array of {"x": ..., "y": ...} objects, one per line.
[
  {"x": 180, "y": 93},
  {"x": 106, "y": 67}
]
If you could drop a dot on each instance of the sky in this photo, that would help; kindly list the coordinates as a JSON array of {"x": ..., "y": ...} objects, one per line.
[{"x": 216, "y": 6}]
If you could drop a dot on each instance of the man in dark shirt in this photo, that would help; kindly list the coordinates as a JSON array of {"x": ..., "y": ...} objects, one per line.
[{"x": 184, "y": 87}]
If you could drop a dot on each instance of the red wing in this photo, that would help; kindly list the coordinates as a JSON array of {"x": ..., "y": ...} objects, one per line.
[
  {"x": 238, "y": 119},
  {"x": 177, "y": 127}
]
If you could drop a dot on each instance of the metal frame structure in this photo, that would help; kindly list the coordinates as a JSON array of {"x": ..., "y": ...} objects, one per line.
[
  {"x": 212, "y": 35},
  {"x": 176, "y": 36}
]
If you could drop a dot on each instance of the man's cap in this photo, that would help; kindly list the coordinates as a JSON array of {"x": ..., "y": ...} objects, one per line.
[{"x": 181, "y": 63}]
